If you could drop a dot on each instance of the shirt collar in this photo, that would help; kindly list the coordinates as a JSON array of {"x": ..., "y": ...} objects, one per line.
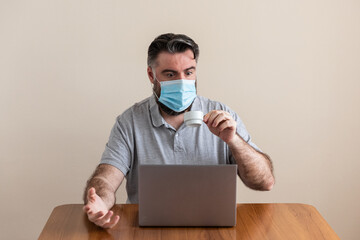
[
  {"x": 196, "y": 105},
  {"x": 158, "y": 120}
]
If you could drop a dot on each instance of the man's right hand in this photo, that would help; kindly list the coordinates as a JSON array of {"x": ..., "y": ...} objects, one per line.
[{"x": 98, "y": 212}]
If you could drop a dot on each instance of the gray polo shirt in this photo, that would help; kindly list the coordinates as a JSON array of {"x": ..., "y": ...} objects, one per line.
[{"x": 141, "y": 136}]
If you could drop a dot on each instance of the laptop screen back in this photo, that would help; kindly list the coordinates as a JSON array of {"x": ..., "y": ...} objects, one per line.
[{"x": 187, "y": 195}]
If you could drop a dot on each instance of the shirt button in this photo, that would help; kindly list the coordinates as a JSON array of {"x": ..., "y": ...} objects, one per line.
[{"x": 176, "y": 135}]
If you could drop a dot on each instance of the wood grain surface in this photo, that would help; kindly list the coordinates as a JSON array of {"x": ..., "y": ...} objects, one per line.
[{"x": 254, "y": 221}]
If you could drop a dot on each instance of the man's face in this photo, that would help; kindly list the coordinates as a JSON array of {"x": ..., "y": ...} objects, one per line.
[{"x": 172, "y": 67}]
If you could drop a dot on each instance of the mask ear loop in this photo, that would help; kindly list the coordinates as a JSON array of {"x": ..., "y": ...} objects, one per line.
[
  {"x": 196, "y": 87},
  {"x": 152, "y": 85}
]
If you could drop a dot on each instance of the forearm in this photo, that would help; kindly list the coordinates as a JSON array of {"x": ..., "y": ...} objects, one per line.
[
  {"x": 255, "y": 168},
  {"x": 103, "y": 189}
]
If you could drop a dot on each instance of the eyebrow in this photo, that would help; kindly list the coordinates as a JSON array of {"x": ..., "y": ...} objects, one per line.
[
  {"x": 168, "y": 70},
  {"x": 192, "y": 67},
  {"x": 173, "y": 71}
]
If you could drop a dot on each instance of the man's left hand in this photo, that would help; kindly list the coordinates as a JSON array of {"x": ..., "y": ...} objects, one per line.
[{"x": 221, "y": 124}]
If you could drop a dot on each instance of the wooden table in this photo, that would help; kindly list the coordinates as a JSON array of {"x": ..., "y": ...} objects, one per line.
[{"x": 254, "y": 221}]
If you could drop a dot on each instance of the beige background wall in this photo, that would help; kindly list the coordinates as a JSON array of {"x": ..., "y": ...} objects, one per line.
[{"x": 289, "y": 68}]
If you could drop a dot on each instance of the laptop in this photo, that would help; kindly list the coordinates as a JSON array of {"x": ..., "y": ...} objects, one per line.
[{"x": 187, "y": 195}]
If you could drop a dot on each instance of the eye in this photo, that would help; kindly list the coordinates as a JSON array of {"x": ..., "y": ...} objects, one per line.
[
  {"x": 189, "y": 73},
  {"x": 170, "y": 75}
]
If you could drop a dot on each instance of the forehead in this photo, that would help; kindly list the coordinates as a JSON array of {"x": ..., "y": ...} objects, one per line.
[{"x": 180, "y": 60}]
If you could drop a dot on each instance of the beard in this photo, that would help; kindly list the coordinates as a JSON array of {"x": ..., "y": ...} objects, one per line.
[{"x": 164, "y": 108}]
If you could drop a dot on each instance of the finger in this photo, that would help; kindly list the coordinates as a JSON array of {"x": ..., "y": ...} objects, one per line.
[
  {"x": 212, "y": 116},
  {"x": 105, "y": 219},
  {"x": 225, "y": 125},
  {"x": 112, "y": 223},
  {"x": 224, "y": 116},
  {"x": 206, "y": 117},
  {"x": 221, "y": 117},
  {"x": 86, "y": 208},
  {"x": 91, "y": 194},
  {"x": 96, "y": 216}
]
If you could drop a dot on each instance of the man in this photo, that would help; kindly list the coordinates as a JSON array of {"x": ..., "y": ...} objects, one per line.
[{"x": 152, "y": 131}]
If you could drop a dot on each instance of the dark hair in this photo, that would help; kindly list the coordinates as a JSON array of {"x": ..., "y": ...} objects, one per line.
[{"x": 172, "y": 43}]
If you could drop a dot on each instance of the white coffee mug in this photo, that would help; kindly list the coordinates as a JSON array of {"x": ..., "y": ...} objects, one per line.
[{"x": 193, "y": 118}]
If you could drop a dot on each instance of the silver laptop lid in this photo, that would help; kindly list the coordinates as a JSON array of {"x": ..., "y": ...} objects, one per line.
[{"x": 187, "y": 195}]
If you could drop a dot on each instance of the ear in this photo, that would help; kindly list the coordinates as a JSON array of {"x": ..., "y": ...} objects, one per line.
[{"x": 150, "y": 75}]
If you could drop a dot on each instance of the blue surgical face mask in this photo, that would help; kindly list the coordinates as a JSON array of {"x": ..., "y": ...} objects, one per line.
[{"x": 177, "y": 95}]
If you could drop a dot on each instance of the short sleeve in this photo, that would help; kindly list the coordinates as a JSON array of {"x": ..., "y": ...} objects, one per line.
[
  {"x": 118, "y": 150},
  {"x": 243, "y": 133}
]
